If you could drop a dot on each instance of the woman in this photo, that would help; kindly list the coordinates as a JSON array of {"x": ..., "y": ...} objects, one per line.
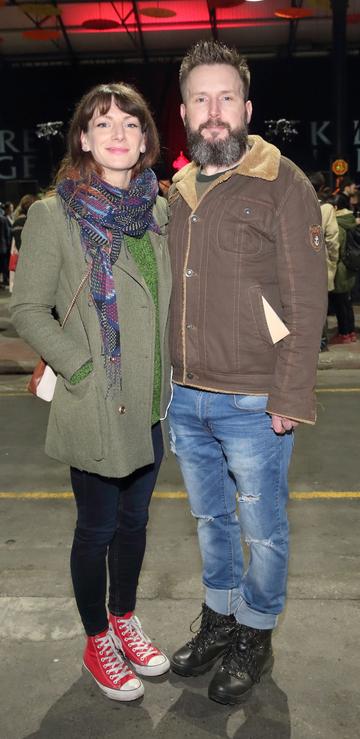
[
  {"x": 16, "y": 230},
  {"x": 345, "y": 279},
  {"x": 111, "y": 358}
]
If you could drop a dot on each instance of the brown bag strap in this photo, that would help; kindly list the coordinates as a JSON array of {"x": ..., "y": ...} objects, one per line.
[{"x": 74, "y": 299}]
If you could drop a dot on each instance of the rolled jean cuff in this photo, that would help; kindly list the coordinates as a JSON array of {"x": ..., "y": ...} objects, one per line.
[
  {"x": 222, "y": 601},
  {"x": 254, "y": 619}
]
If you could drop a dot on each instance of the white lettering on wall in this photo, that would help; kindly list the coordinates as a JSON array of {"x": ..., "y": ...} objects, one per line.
[
  {"x": 6, "y": 141},
  {"x": 317, "y": 133},
  {"x": 7, "y": 172}
]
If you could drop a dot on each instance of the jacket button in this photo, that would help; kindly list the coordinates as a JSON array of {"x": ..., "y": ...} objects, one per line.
[
  {"x": 189, "y": 375},
  {"x": 122, "y": 410},
  {"x": 189, "y": 325},
  {"x": 247, "y": 211},
  {"x": 189, "y": 272},
  {"x": 194, "y": 219}
]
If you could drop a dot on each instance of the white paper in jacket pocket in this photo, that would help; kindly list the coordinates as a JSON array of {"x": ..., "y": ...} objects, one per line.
[{"x": 277, "y": 328}]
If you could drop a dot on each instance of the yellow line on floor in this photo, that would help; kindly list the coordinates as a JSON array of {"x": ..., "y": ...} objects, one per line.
[
  {"x": 338, "y": 390},
  {"x": 180, "y": 494},
  {"x": 327, "y": 494},
  {"x": 13, "y": 394}
]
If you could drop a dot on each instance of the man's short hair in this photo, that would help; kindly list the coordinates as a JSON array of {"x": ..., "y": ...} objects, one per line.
[
  {"x": 214, "y": 52},
  {"x": 317, "y": 180},
  {"x": 342, "y": 201}
]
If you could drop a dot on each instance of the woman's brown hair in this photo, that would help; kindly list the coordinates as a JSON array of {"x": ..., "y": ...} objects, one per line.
[{"x": 78, "y": 164}]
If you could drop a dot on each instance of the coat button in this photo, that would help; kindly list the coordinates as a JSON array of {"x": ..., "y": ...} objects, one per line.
[
  {"x": 189, "y": 375},
  {"x": 247, "y": 211},
  {"x": 122, "y": 410},
  {"x": 189, "y": 326},
  {"x": 194, "y": 219},
  {"x": 189, "y": 272}
]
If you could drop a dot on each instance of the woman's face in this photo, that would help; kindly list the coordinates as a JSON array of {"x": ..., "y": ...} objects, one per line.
[{"x": 116, "y": 141}]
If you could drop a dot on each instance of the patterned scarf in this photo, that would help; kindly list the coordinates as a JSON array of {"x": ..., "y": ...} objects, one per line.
[{"x": 104, "y": 214}]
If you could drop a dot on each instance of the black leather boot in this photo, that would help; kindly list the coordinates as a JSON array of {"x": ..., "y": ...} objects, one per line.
[
  {"x": 248, "y": 657},
  {"x": 208, "y": 644}
]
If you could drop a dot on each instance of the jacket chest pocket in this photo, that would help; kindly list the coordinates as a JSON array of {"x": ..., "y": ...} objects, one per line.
[{"x": 239, "y": 230}]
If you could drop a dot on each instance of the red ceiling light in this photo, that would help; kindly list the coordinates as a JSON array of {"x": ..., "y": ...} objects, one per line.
[
  {"x": 40, "y": 11},
  {"x": 41, "y": 34},
  {"x": 157, "y": 12},
  {"x": 224, "y": 3},
  {"x": 100, "y": 24},
  {"x": 294, "y": 14}
]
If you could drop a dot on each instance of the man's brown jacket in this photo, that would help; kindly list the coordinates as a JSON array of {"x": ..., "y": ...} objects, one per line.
[{"x": 248, "y": 253}]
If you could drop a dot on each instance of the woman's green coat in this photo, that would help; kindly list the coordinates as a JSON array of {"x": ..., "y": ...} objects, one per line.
[{"x": 110, "y": 435}]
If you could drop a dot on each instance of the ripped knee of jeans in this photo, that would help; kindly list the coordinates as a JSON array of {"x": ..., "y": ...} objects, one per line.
[
  {"x": 202, "y": 520},
  {"x": 250, "y": 498},
  {"x": 267, "y": 543}
]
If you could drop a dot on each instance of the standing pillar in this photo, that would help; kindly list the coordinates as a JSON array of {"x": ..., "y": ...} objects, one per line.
[{"x": 340, "y": 102}]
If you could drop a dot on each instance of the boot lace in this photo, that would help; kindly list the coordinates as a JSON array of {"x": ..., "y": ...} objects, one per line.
[
  {"x": 133, "y": 634},
  {"x": 113, "y": 664},
  {"x": 240, "y": 659},
  {"x": 206, "y": 634}
]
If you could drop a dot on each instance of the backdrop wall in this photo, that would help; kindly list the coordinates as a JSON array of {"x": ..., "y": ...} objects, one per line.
[{"x": 298, "y": 89}]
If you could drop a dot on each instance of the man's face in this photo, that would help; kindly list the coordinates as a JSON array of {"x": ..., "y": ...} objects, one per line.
[
  {"x": 351, "y": 189},
  {"x": 215, "y": 114}
]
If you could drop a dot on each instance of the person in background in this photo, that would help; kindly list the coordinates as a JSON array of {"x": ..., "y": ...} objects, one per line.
[
  {"x": 20, "y": 218},
  {"x": 345, "y": 279},
  {"x": 9, "y": 211},
  {"x": 348, "y": 188},
  {"x": 106, "y": 224},
  {"x": 331, "y": 236},
  {"x": 5, "y": 244},
  {"x": 18, "y": 222},
  {"x": 248, "y": 305}
]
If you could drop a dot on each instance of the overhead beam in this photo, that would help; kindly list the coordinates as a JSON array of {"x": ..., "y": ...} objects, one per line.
[
  {"x": 213, "y": 20},
  {"x": 140, "y": 32},
  {"x": 64, "y": 33},
  {"x": 293, "y": 26}
]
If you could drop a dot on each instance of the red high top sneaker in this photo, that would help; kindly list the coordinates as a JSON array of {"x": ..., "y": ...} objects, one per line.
[
  {"x": 129, "y": 637},
  {"x": 109, "y": 669}
]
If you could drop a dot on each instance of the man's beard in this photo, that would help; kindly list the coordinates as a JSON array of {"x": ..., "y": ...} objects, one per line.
[{"x": 218, "y": 152}]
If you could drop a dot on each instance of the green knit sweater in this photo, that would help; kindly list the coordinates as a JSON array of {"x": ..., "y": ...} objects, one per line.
[{"x": 142, "y": 252}]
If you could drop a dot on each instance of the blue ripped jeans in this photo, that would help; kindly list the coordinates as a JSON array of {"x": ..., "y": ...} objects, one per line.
[{"x": 235, "y": 471}]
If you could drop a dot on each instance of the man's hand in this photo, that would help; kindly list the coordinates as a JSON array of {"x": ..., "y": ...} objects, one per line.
[{"x": 281, "y": 425}]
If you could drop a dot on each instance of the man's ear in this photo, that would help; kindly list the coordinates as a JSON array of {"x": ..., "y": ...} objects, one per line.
[
  {"x": 248, "y": 109},
  {"x": 183, "y": 112}
]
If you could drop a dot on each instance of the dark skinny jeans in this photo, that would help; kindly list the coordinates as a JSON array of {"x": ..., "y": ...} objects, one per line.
[{"x": 112, "y": 515}]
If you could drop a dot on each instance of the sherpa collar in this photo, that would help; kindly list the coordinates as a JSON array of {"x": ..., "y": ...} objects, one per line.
[{"x": 262, "y": 161}]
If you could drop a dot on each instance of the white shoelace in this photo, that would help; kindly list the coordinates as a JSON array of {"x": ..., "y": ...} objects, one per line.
[
  {"x": 114, "y": 665},
  {"x": 134, "y": 636}
]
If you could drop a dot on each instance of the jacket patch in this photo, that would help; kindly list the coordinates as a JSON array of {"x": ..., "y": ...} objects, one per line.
[{"x": 315, "y": 237}]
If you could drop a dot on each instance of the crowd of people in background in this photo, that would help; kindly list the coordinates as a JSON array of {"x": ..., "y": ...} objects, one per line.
[
  {"x": 12, "y": 221},
  {"x": 340, "y": 211}
]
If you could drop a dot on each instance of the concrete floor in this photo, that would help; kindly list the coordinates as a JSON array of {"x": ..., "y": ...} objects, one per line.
[{"x": 314, "y": 688}]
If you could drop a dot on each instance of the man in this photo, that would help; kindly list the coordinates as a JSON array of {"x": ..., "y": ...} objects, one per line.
[
  {"x": 248, "y": 306},
  {"x": 348, "y": 188},
  {"x": 5, "y": 243}
]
